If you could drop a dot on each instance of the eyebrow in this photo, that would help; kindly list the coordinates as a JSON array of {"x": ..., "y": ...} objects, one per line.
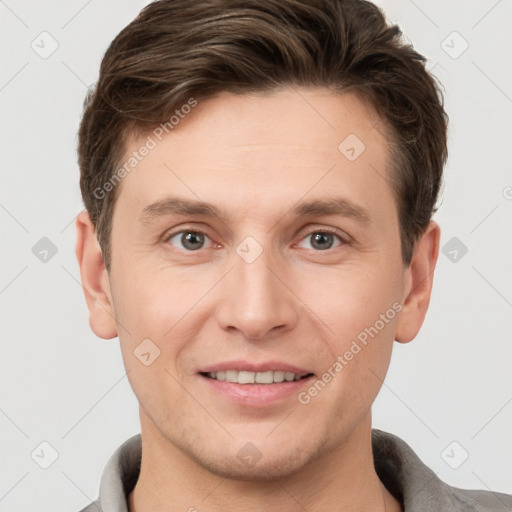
[{"x": 178, "y": 206}]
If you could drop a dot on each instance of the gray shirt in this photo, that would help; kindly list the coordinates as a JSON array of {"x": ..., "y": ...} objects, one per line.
[{"x": 413, "y": 484}]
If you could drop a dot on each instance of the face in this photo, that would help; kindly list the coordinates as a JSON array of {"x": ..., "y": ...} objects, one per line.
[{"x": 249, "y": 245}]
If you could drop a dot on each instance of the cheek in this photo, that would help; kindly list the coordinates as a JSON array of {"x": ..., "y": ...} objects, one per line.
[
  {"x": 153, "y": 301},
  {"x": 353, "y": 377},
  {"x": 351, "y": 298},
  {"x": 166, "y": 306},
  {"x": 360, "y": 309}
]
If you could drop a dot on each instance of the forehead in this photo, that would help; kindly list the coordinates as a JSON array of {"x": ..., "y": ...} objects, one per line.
[{"x": 263, "y": 151}]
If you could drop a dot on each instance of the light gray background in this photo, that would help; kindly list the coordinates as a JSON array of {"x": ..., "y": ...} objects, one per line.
[{"x": 62, "y": 385}]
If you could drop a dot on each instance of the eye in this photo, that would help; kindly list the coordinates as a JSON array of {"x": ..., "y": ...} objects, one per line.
[
  {"x": 322, "y": 240},
  {"x": 188, "y": 240}
]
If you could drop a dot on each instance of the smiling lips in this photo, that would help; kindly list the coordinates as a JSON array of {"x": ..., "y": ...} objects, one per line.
[
  {"x": 245, "y": 372},
  {"x": 247, "y": 377},
  {"x": 255, "y": 385}
]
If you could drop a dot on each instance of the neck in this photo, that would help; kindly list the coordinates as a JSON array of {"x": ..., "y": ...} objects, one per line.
[{"x": 344, "y": 479}]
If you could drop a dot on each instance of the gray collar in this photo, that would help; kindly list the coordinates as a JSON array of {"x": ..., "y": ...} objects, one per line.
[{"x": 413, "y": 484}]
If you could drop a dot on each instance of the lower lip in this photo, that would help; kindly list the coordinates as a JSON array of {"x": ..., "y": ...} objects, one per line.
[{"x": 257, "y": 395}]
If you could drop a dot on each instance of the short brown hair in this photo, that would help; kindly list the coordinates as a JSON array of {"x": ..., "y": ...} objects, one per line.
[{"x": 178, "y": 49}]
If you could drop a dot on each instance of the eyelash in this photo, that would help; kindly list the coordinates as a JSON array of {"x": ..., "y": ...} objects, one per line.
[{"x": 343, "y": 239}]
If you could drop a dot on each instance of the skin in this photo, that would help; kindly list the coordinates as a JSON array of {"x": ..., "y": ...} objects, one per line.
[{"x": 254, "y": 157}]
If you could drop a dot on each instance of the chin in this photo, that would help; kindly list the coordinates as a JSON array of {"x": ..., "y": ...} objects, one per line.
[
  {"x": 268, "y": 468},
  {"x": 247, "y": 454}
]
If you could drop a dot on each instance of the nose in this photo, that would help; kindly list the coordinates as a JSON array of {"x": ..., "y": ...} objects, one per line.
[{"x": 257, "y": 298}]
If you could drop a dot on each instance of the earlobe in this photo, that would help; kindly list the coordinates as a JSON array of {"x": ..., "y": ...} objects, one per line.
[
  {"x": 95, "y": 279},
  {"x": 418, "y": 284}
]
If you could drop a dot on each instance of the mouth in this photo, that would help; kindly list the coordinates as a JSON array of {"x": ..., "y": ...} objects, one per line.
[
  {"x": 250, "y": 377},
  {"x": 259, "y": 385}
]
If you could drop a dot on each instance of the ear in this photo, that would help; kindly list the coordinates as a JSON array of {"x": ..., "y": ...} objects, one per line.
[
  {"x": 95, "y": 279},
  {"x": 418, "y": 284}
]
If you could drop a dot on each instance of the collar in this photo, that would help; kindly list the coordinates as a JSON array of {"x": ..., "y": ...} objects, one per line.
[{"x": 414, "y": 485}]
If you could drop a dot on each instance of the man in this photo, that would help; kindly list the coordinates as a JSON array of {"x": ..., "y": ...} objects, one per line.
[{"x": 259, "y": 180}]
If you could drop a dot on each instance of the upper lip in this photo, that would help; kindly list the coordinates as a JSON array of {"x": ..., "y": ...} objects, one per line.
[{"x": 246, "y": 366}]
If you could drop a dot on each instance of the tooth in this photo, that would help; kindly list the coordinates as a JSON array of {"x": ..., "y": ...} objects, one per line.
[
  {"x": 243, "y": 377},
  {"x": 232, "y": 376},
  {"x": 278, "y": 376},
  {"x": 264, "y": 377},
  {"x": 246, "y": 377}
]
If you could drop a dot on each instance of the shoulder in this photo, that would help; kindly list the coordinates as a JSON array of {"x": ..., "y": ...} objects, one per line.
[
  {"x": 92, "y": 507},
  {"x": 118, "y": 478},
  {"x": 479, "y": 501},
  {"x": 418, "y": 488}
]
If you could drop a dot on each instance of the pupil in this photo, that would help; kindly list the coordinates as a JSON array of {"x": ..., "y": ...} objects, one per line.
[
  {"x": 322, "y": 240},
  {"x": 192, "y": 240}
]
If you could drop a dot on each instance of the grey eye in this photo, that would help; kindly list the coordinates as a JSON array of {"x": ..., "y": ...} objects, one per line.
[
  {"x": 321, "y": 240},
  {"x": 189, "y": 240}
]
